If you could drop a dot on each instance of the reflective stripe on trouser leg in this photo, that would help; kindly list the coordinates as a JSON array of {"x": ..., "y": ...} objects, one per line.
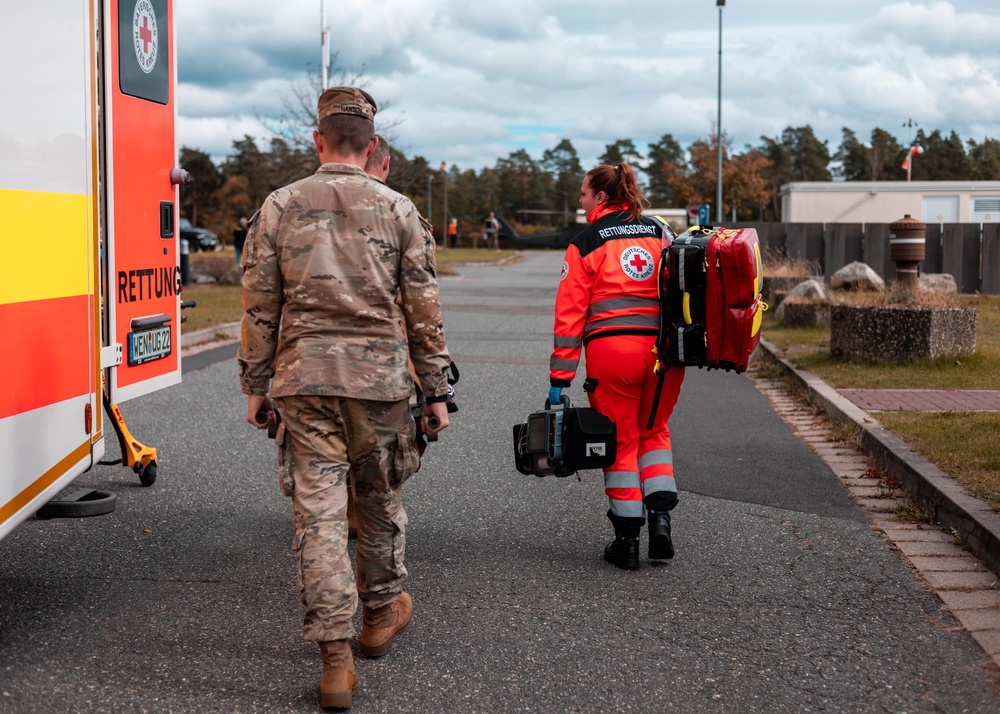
[
  {"x": 656, "y": 461},
  {"x": 656, "y": 472},
  {"x": 624, "y": 495},
  {"x": 623, "y": 368},
  {"x": 382, "y": 454},
  {"x": 316, "y": 446}
]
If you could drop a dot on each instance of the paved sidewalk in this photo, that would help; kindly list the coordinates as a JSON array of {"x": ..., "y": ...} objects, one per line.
[
  {"x": 966, "y": 587},
  {"x": 929, "y": 400},
  {"x": 955, "y": 507}
]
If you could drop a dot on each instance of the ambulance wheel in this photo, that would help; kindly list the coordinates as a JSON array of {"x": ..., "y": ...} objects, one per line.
[{"x": 147, "y": 477}]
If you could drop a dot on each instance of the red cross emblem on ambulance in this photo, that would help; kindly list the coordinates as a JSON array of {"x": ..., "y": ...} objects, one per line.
[
  {"x": 144, "y": 35},
  {"x": 637, "y": 263}
]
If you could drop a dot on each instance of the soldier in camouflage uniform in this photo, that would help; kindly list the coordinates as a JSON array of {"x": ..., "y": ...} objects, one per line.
[
  {"x": 377, "y": 165},
  {"x": 339, "y": 289}
]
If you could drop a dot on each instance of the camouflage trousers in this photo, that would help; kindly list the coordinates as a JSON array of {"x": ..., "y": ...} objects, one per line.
[{"x": 319, "y": 440}]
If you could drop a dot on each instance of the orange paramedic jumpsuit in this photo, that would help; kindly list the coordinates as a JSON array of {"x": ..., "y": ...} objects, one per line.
[{"x": 607, "y": 302}]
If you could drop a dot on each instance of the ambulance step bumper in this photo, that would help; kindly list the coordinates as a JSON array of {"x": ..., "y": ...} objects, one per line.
[{"x": 78, "y": 503}]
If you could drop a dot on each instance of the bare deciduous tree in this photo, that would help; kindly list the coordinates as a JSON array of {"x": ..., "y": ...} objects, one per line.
[{"x": 298, "y": 121}]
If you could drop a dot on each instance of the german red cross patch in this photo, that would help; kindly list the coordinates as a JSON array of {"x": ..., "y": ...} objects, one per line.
[
  {"x": 145, "y": 37},
  {"x": 637, "y": 263}
]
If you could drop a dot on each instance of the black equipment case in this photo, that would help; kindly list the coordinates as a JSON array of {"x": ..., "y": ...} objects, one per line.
[{"x": 562, "y": 439}]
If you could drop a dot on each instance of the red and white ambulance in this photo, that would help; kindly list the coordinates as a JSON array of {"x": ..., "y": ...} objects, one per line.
[{"x": 89, "y": 279}]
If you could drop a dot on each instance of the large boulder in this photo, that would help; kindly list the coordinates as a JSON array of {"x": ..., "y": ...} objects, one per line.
[
  {"x": 938, "y": 283},
  {"x": 803, "y": 293},
  {"x": 811, "y": 289},
  {"x": 803, "y": 313},
  {"x": 233, "y": 276},
  {"x": 856, "y": 276},
  {"x": 776, "y": 287}
]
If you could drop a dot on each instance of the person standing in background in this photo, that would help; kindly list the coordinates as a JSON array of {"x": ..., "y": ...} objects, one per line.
[
  {"x": 493, "y": 231},
  {"x": 240, "y": 239},
  {"x": 377, "y": 165}
]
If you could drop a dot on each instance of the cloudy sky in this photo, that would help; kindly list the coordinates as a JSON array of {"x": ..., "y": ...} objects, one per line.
[{"x": 469, "y": 82}]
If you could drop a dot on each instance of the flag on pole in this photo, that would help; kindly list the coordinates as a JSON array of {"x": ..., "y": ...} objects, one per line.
[{"x": 915, "y": 150}]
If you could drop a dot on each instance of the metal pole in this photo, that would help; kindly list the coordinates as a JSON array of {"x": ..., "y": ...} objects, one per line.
[
  {"x": 909, "y": 147},
  {"x": 444, "y": 217},
  {"x": 324, "y": 43},
  {"x": 430, "y": 203},
  {"x": 718, "y": 126}
]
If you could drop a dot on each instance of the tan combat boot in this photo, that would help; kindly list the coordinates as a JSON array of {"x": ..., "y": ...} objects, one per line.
[
  {"x": 380, "y": 627},
  {"x": 340, "y": 681}
]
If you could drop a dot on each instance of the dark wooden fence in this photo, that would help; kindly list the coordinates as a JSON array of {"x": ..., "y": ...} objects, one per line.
[{"x": 970, "y": 252}]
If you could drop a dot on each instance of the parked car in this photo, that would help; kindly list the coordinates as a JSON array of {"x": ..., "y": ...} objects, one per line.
[{"x": 198, "y": 238}]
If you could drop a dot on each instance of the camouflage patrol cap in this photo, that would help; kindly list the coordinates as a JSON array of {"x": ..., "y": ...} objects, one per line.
[{"x": 347, "y": 100}]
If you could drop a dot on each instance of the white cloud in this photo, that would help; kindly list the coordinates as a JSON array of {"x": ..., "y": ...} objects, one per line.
[{"x": 474, "y": 81}]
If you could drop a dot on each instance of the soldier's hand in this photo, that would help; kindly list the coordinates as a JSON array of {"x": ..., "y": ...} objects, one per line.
[
  {"x": 260, "y": 411},
  {"x": 434, "y": 417}
]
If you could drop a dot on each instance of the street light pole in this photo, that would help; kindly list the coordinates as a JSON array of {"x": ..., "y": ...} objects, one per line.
[
  {"x": 430, "y": 203},
  {"x": 718, "y": 126},
  {"x": 324, "y": 44},
  {"x": 444, "y": 217},
  {"x": 911, "y": 150}
]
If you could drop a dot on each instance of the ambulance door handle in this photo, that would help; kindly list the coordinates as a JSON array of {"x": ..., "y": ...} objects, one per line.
[
  {"x": 166, "y": 219},
  {"x": 149, "y": 323}
]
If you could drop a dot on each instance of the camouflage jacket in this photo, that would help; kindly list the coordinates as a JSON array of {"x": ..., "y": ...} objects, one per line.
[{"x": 339, "y": 288}]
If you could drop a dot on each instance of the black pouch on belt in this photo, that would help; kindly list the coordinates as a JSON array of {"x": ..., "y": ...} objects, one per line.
[{"x": 590, "y": 440}]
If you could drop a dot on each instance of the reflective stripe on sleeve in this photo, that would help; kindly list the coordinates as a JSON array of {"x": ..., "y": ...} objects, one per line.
[
  {"x": 568, "y": 341},
  {"x": 563, "y": 365}
]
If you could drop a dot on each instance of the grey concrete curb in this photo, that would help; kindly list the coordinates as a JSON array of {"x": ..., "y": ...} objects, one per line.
[
  {"x": 953, "y": 506},
  {"x": 519, "y": 255},
  {"x": 216, "y": 333}
]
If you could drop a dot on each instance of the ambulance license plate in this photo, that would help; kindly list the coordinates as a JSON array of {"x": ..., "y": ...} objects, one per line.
[{"x": 147, "y": 345}]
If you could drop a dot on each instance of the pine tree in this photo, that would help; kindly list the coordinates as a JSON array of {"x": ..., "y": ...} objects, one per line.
[
  {"x": 852, "y": 157},
  {"x": 663, "y": 153},
  {"x": 622, "y": 151}
]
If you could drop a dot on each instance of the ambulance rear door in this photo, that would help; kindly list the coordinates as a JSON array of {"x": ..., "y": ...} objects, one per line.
[
  {"x": 50, "y": 403},
  {"x": 142, "y": 291}
]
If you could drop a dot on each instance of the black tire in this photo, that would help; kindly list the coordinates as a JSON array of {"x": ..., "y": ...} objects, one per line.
[{"x": 147, "y": 477}]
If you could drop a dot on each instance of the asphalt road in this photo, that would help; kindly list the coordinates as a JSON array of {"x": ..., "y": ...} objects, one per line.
[{"x": 781, "y": 597}]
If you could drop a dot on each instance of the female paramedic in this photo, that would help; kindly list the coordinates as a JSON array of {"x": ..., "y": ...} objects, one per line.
[{"x": 607, "y": 302}]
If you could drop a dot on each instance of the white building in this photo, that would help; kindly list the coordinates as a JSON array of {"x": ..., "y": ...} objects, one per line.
[{"x": 888, "y": 201}]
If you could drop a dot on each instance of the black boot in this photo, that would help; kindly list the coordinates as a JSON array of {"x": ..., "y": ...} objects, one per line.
[
  {"x": 660, "y": 545},
  {"x": 623, "y": 552}
]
